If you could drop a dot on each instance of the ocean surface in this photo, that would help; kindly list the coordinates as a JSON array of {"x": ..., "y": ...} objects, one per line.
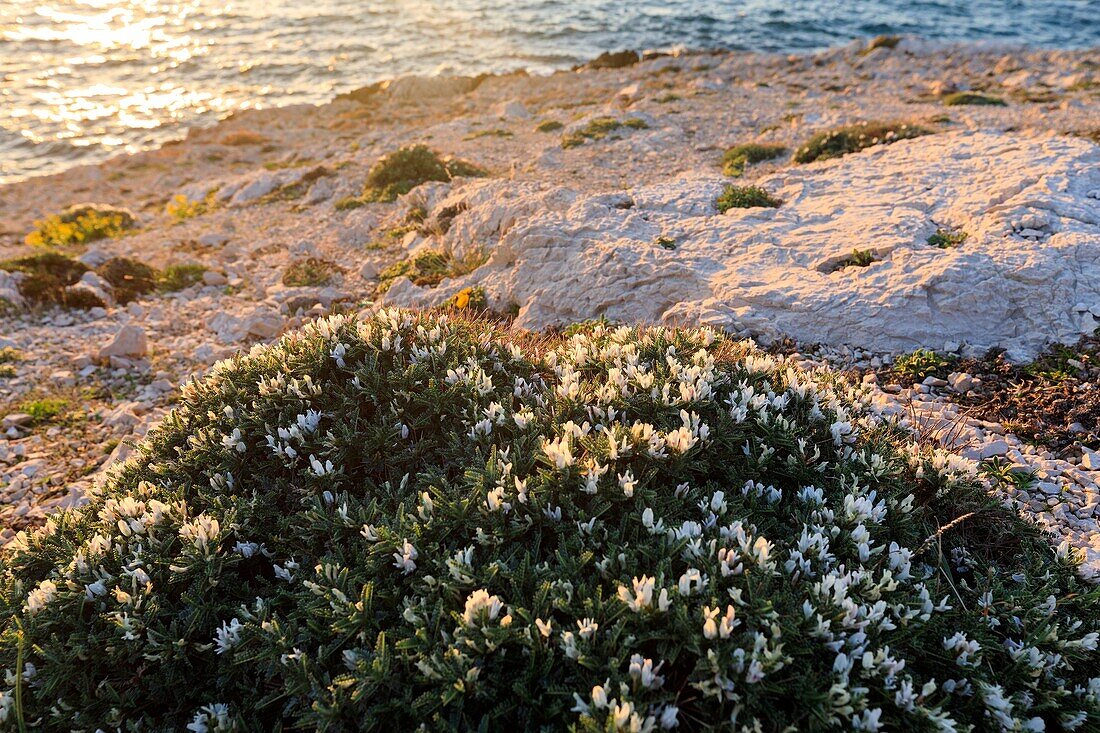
[{"x": 83, "y": 79}]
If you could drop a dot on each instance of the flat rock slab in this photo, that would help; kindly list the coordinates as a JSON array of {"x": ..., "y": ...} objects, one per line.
[{"x": 562, "y": 256}]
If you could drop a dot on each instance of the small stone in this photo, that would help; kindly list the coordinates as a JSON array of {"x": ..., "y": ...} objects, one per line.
[
  {"x": 130, "y": 341},
  {"x": 17, "y": 419},
  {"x": 1090, "y": 460},
  {"x": 212, "y": 277}
]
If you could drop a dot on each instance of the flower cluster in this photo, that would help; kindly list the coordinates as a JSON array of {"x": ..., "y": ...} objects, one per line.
[{"x": 394, "y": 520}]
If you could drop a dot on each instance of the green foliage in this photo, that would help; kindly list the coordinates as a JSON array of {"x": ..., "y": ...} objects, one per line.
[
  {"x": 923, "y": 363},
  {"x": 80, "y": 224},
  {"x": 858, "y": 258},
  {"x": 44, "y": 409},
  {"x": 8, "y": 357},
  {"x": 958, "y": 99},
  {"x": 46, "y": 277},
  {"x": 495, "y": 132},
  {"x": 745, "y": 197},
  {"x": 599, "y": 128},
  {"x": 947, "y": 238},
  {"x": 853, "y": 138},
  {"x": 177, "y": 277},
  {"x": 428, "y": 267},
  {"x": 181, "y": 208},
  {"x": 665, "y": 242},
  {"x": 310, "y": 272},
  {"x": 403, "y": 170},
  {"x": 549, "y": 126},
  {"x": 128, "y": 278},
  {"x": 739, "y": 156},
  {"x": 403, "y": 521}
]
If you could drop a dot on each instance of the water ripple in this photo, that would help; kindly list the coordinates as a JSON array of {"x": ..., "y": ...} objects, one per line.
[{"x": 82, "y": 79}]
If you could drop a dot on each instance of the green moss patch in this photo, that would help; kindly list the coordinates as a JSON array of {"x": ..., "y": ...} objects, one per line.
[
  {"x": 129, "y": 278},
  {"x": 599, "y": 128},
  {"x": 310, "y": 272},
  {"x": 405, "y": 169},
  {"x": 746, "y": 197},
  {"x": 853, "y": 138},
  {"x": 46, "y": 277},
  {"x": 739, "y": 156},
  {"x": 549, "y": 126},
  {"x": 959, "y": 99},
  {"x": 178, "y": 277}
]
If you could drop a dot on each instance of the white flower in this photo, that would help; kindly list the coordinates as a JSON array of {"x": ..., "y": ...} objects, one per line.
[
  {"x": 405, "y": 557},
  {"x": 643, "y": 671},
  {"x": 228, "y": 636},
  {"x": 41, "y": 596},
  {"x": 210, "y": 719},
  {"x": 668, "y": 717},
  {"x": 200, "y": 531},
  {"x": 544, "y": 627},
  {"x": 642, "y": 595},
  {"x": 587, "y": 628},
  {"x": 599, "y": 697},
  {"x": 559, "y": 451},
  {"x": 480, "y": 606},
  {"x": 627, "y": 483}
]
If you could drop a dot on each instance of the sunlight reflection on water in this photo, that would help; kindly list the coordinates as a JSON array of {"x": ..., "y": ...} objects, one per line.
[{"x": 82, "y": 79}]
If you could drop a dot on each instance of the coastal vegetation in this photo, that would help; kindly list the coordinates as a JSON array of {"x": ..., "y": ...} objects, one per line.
[
  {"x": 944, "y": 238},
  {"x": 853, "y": 138},
  {"x": 958, "y": 99},
  {"x": 599, "y": 128},
  {"x": 80, "y": 224},
  {"x": 406, "y": 168},
  {"x": 310, "y": 272},
  {"x": 745, "y": 197},
  {"x": 405, "y": 520},
  {"x": 739, "y": 156}
]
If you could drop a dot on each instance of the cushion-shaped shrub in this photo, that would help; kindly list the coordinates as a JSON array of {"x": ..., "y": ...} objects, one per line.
[{"x": 396, "y": 520}]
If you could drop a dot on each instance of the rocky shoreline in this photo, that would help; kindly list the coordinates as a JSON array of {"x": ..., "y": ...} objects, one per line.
[{"x": 595, "y": 196}]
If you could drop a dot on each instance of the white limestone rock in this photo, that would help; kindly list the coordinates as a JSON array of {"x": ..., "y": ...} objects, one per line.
[{"x": 563, "y": 256}]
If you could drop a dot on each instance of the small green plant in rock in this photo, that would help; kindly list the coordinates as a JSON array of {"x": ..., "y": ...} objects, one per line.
[
  {"x": 739, "y": 156},
  {"x": 922, "y": 363},
  {"x": 947, "y": 238},
  {"x": 8, "y": 358},
  {"x": 129, "y": 278},
  {"x": 428, "y": 267},
  {"x": 44, "y": 409},
  {"x": 599, "y": 128},
  {"x": 177, "y": 277},
  {"x": 47, "y": 277},
  {"x": 310, "y": 272},
  {"x": 959, "y": 99},
  {"x": 665, "y": 242},
  {"x": 495, "y": 132},
  {"x": 853, "y": 138},
  {"x": 746, "y": 197},
  {"x": 549, "y": 126},
  {"x": 403, "y": 170},
  {"x": 858, "y": 258}
]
